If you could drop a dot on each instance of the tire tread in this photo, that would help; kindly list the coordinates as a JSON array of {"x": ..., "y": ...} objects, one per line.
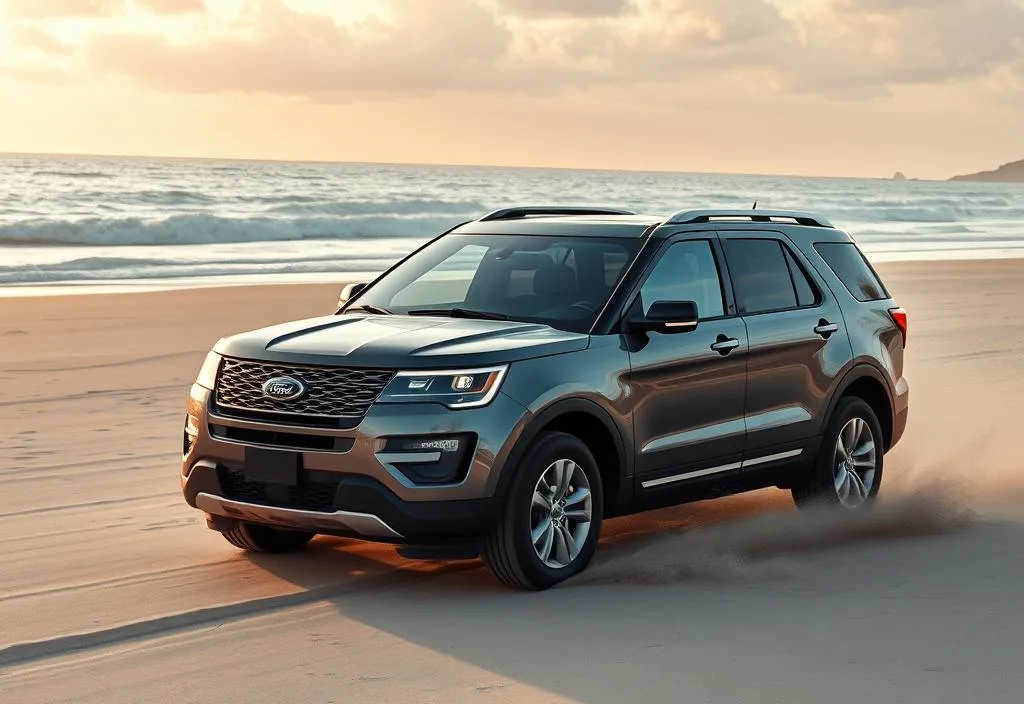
[{"x": 275, "y": 540}]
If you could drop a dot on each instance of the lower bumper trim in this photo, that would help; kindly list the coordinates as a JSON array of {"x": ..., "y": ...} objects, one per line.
[{"x": 365, "y": 524}]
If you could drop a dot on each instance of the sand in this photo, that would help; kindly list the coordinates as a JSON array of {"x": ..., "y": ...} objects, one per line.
[{"x": 112, "y": 590}]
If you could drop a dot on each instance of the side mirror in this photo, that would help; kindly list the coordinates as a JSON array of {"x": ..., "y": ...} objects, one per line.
[
  {"x": 349, "y": 292},
  {"x": 666, "y": 317}
]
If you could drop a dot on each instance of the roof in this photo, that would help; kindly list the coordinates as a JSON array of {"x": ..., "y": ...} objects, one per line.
[{"x": 613, "y": 222}]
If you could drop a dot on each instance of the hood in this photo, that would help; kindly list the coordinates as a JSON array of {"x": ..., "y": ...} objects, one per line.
[{"x": 400, "y": 342}]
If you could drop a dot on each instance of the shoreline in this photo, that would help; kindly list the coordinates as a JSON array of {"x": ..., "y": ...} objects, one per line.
[{"x": 132, "y": 286}]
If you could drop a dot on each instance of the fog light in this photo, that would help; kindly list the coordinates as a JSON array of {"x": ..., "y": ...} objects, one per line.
[
  {"x": 446, "y": 445},
  {"x": 440, "y": 459}
]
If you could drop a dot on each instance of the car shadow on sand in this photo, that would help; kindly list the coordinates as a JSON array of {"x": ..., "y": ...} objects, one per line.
[{"x": 669, "y": 592}]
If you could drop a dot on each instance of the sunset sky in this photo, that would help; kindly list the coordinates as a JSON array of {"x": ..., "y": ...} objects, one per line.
[{"x": 823, "y": 87}]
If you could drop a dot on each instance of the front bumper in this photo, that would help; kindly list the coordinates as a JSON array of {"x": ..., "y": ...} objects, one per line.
[{"x": 358, "y": 490}]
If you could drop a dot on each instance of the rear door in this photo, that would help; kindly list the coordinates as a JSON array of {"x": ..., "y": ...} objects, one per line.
[
  {"x": 687, "y": 389},
  {"x": 798, "y": 344}
]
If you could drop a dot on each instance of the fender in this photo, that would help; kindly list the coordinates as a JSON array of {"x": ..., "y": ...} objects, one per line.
[
  {"x": 542, "y": 418},
  {"x": 860, "y": 369}
]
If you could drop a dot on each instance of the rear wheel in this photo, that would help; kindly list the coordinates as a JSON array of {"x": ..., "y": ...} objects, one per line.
[
  {"x": 551, "y": 521},
  {"x": 848, "y": 470},
  {"x": 254, "y": 537}
]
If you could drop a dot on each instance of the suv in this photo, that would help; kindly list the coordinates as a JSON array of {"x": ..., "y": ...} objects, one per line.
[{"x": 522, "y": 377}]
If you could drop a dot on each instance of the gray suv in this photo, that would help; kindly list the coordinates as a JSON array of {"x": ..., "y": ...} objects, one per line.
[{"x": 522, "y": 377}]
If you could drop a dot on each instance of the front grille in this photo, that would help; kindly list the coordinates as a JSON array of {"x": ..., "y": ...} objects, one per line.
[
  {"x": 273, "y": 438},
  {"x": 307, "y": 496},
  {"x": 331, "y": 392}
]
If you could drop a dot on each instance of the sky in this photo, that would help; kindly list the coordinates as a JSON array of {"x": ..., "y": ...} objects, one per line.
[{"x": 931, "y": 88}]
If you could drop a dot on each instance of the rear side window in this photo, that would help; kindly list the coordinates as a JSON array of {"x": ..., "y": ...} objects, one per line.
[
  {"x": 850, "y": 265},
  {"x": 806, "y": 291},
  {"x": 765, "y": 276}
]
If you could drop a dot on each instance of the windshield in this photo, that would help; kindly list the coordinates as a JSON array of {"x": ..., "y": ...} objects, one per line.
[{"x": 559, "y": 281}]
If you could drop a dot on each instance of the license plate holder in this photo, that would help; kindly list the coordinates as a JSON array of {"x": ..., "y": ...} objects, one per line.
[{"x": 272, "y": 466}]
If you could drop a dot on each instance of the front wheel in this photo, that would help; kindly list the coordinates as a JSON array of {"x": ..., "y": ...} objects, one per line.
[
  {"x": 254, "y": 537},
  {"x": 848, "y": 470},
  {"x": 551, "y": 521}
]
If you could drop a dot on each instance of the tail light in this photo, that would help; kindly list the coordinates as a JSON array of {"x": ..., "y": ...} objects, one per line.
[{"x": 899, "y": 316}]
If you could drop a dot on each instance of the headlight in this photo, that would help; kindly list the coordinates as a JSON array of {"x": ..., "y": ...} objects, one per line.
[
  {"x": 464, "y": 388},
  {"x": 207, "y": 377}
]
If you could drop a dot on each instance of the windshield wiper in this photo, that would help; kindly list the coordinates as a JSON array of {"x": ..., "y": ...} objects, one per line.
[
  {"x": 376, "y": 310},
  {"x": 460, "y": 313}
]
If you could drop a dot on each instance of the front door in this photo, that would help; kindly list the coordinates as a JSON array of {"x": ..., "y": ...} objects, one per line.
[{"x": 688, "y": 387}]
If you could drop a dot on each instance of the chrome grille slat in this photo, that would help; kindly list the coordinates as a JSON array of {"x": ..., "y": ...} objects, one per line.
[{"x": 332, "y": 392}]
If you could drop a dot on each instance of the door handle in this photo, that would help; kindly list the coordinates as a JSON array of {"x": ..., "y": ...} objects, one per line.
[
  {"x": 825, "y": 329},
  {"x": 724, "y": 345}
]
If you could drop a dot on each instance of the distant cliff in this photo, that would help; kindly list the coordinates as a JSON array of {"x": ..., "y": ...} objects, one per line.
[{"x": 1007, "y": 173}]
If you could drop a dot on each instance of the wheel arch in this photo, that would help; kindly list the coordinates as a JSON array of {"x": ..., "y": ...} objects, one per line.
[
  {"x": 596, "y": 427},
  {"x": 867, "y": 382}
]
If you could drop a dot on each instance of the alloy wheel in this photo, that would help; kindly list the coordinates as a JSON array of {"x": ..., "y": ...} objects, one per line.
[
  {"x": 560, "y": 513},
  {"x": 855, "y": 463}
]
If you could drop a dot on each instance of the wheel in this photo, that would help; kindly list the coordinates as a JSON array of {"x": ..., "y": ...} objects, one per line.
[
  {"x": 847, "y": 472},
  {"x": 259, "y": 538},
  {"x": 551, "y": 520}
]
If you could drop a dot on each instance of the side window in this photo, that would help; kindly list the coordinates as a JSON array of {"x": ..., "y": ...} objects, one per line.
[
  {"x": 760, "y": 274},
  {"x": 849, "y": 264},
  {"x": 806, "y": 292},
  {"x": 686, "y": 272}
]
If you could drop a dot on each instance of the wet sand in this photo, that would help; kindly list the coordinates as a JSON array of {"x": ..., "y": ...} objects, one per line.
[{"x": 112, "y": 590}]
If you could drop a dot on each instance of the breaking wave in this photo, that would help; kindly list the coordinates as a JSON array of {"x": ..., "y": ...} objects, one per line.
[{"x": 193, "y": 229}]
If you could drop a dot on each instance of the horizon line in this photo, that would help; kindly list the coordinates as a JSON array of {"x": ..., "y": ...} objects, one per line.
[{"x": 523, "y": 167}]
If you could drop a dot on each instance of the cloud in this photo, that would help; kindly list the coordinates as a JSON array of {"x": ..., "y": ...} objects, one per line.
[
  {"x": 852, "y": 49},
  {"x": 874, "y": 44},
  {"x": 450, "y": 45},
  {"x": 172, "y": 7},
  {"x": 566, "y": 8},
  {"x": 35, "y": 38},
  {"x": 33, "y": 9}
]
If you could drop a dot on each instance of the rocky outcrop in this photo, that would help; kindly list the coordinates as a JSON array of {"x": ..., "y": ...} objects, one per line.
[{"x": 1007, "y": 173}]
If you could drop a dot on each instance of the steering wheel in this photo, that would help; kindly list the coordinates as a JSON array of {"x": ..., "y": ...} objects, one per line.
[{"x": 585, "y": 306}]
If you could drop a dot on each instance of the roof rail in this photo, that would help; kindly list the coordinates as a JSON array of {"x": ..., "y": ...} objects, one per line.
[
  {"x": 801, "y": 218},
  {"x": 528, "y": 210}
]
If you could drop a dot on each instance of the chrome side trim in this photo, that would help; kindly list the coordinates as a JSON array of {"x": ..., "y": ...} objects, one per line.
[
  {"x": 721, "y": 468},
  {"x": 777, "y": 418},
  {"x": 691, "y": 475},
  {"x": 760, "y": 421},
  {"x": 365, "y": 524},
  {"x": 689, "y": 437},
  {"x": 772, "y": 458}
]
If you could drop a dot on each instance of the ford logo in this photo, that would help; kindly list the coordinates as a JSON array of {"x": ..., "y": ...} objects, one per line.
[{"x": 284, "y": 388}]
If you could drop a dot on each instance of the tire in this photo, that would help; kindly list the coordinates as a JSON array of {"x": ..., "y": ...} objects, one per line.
[
  {"x": 823, "y": 484},
  {"x": 254, "y": 537},
  {"x": 509, "y": 550}
]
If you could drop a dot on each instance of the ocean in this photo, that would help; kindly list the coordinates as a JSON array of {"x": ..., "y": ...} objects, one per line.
[{"x": 78, "y": 223}]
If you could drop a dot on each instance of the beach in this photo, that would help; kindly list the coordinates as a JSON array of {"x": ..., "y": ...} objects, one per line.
[{"x": 113, "y": 590}]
